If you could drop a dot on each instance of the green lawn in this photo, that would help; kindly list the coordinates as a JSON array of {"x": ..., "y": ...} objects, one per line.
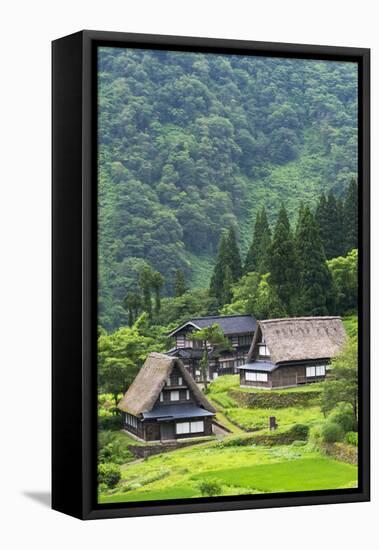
[
  {"x": 308, "y": 474},
  {"x": 223, "y": 400},
  {"x": 240, "y": 469},
  {"x": 224, "y": 383}
]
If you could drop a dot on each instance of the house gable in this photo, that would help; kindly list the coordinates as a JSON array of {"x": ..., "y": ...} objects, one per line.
[
  {"x": 298, "y": 339},
  {"x": 144, "y": 392}
]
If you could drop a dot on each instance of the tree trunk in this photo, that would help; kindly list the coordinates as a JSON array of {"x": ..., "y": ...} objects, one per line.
[
  {"x": 115, "y": 397},
  {"x": 204, "y": 365}
]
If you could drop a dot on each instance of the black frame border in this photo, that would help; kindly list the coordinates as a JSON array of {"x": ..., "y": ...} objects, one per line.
[{"x": 74, "y": 204}]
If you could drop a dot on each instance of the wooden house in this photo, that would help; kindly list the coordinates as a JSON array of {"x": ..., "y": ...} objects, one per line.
[
  {"x": 239, "y": 329},
  {"x": 164, "y": 402},
  {"x": 288, "y": 352}
]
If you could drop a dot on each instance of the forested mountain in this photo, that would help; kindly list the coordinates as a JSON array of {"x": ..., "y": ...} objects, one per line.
[{"x": 191, "y": 144}]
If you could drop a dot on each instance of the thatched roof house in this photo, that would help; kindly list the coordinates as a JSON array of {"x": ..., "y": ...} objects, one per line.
[
  {"x": 164, "y": 402},
  {"x": 291, "y": 351}
]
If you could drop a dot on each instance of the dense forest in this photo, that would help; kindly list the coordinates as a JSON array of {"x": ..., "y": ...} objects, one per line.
[{"x": 191, "y": 148}]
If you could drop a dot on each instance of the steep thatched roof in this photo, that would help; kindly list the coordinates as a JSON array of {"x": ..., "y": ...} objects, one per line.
[
  {"x": 149, "y": 382},
  {"x": 299, "y": 338}
]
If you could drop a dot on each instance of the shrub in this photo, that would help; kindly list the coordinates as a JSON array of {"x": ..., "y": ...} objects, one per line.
[
  {"x": 315, "y": 434},
  {"x": 110, "y": 422},
  {"x": 115, "y": 452},
  {"x": 352, "y": 438},
  {"x": 210, "y": 488},
  {"x": 344, "y": 418},
  {"x": 113, "y": 447},
  {"x": 109, "y": 473},
  {"x": 332, "y": 432},
  {"x": 102, "y": 487},
  {"x": 299, "y": 431}
]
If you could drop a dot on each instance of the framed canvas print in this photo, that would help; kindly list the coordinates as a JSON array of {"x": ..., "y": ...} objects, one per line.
[{"x": 210, "y": 274}]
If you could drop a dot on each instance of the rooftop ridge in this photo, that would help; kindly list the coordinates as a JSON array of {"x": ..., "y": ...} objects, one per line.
[
  {"x": 290, "y": 319},
  {"x": 221, "y": 316}
]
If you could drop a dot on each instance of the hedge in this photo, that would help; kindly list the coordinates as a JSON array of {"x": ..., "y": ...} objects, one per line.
[
  {"x": 298, "y": 432},
  {"x": 275, "y": 399}
]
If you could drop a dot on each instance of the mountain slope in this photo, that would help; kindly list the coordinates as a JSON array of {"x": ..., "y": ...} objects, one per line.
[{"x": 192, "y": 143}]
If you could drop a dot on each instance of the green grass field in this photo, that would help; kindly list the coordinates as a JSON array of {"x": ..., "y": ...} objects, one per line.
[
  {"x": 240, "y": 470},
  {"x": 258, "y": 419},
  {"x": 308, "y": 474}
]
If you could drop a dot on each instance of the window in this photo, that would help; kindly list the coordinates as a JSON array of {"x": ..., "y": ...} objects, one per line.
[
  {"x": 226, "y": 364},
  {"x": 256, "y": 376},
  {"x": 168, "y": 382},
  {"x": 310, "y": 372},
  {"x": 244, "y": 340},
  {"x": 263, "y": 350},
  {"x": 174, "y": 395},
  {"x": 320, "y": 370},
  {"x": 131, "y": 420},
  {"x": 197, "y": 427},
  {"x": 161, "y": 397},
  {"x": 189, "y": 427},
  {"x": 182, "y": 428},
  {"x": 180, "y": 341},
  {"x": 187, "y": 395},
  {"x": 180, "y": 381}
]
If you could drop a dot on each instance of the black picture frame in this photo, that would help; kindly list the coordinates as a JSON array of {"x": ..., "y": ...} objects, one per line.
[{"x": 74, "y": 294}]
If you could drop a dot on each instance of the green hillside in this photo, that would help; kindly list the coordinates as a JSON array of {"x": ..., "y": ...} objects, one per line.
[{"x": 190, "y": 144}]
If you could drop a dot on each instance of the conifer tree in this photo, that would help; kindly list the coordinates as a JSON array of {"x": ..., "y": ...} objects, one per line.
[
  {"x": 216, "y": 288},
  {"x": 251, "y": 256},
  {"x": 257, "y": 258},
  {"x": 228, "y": 268},
  {"x": 322, "y": 218},
  {"x": 329, "y": 217},
  {"x": 350, "y": 215},
  {"x": 283, "y": 263},
  {"x": 132, "y": 304},
  {"x": 233, "y": 257},
  {"x": 227, "y": 294},
  {"x": 157, "y": 281},
  {"x": 265, "y": 244},
  {"x": 299, "y": 216},
  {"x": 334, "y": 246},
  {"x": 179, "y": 283},
  {"x": 317, "y": 296},
  {"x": 144, "y": 280}
]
